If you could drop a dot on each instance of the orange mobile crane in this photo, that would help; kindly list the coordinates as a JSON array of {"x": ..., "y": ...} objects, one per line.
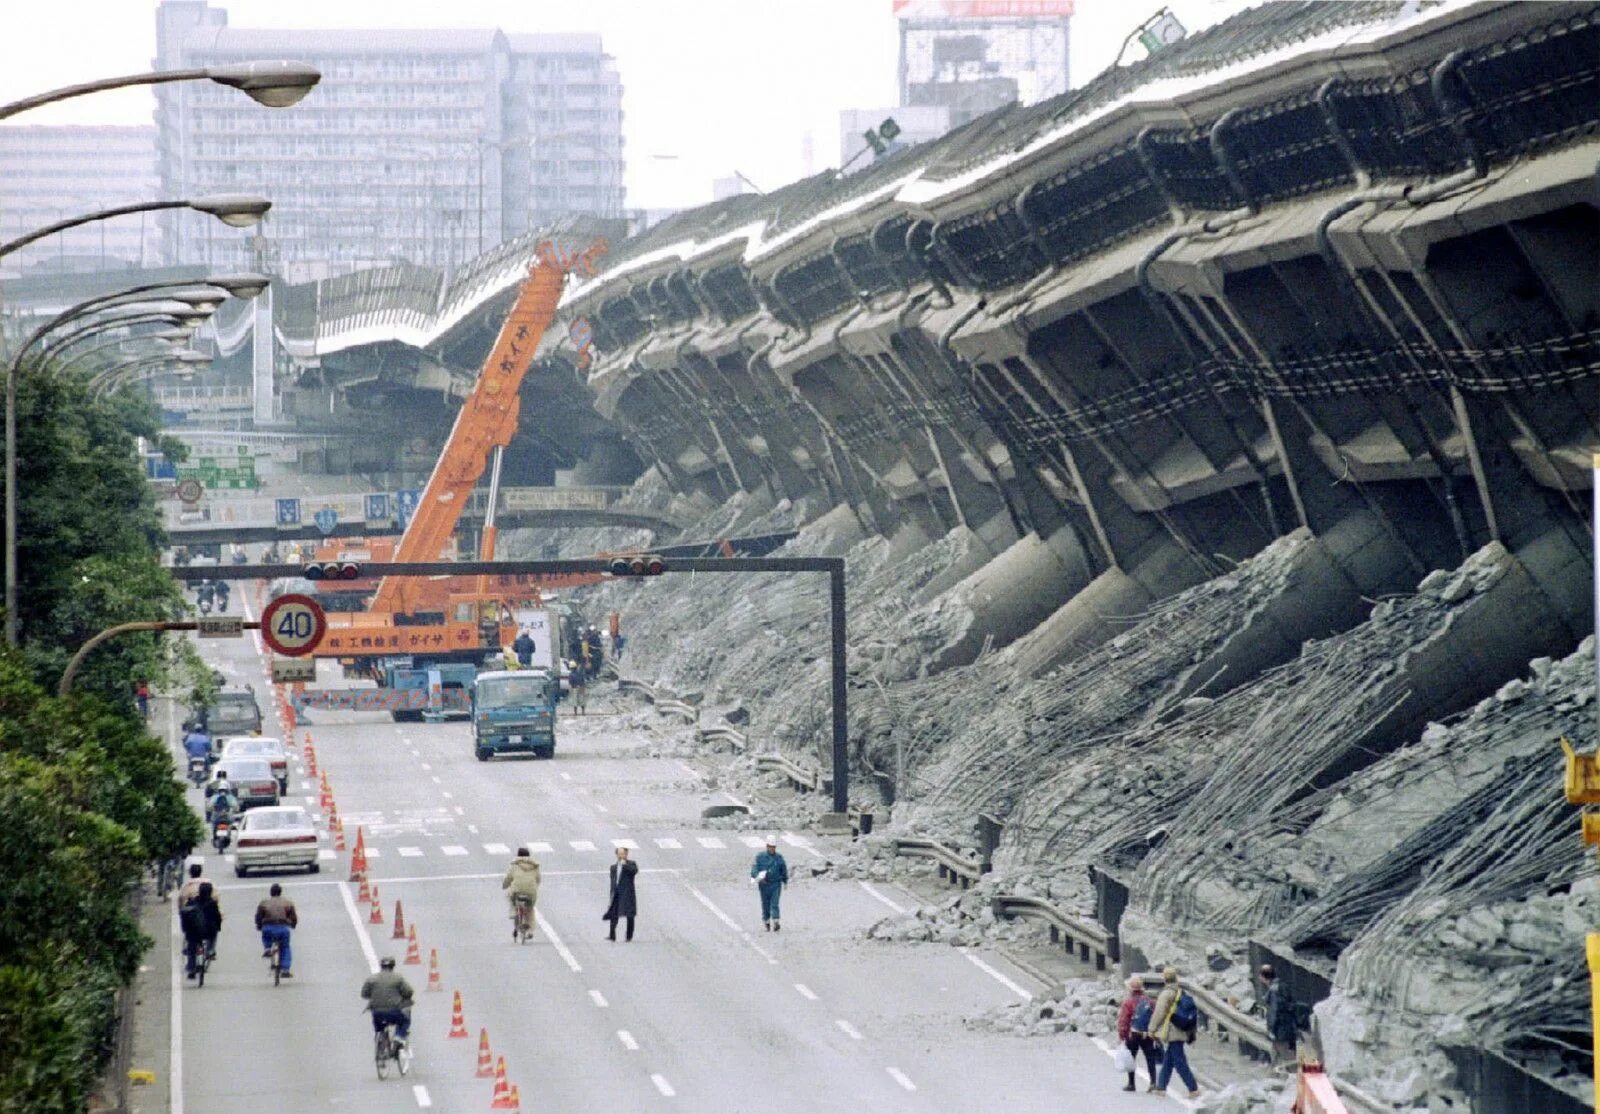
[{"x": 463, "y": 617}]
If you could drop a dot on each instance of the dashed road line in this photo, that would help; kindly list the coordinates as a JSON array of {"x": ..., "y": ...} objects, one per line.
[
  {"x": 581, "y": 844},
  {"x": 755, "y": 842},
  {"x": 537, "y": 847},
  {"x": 409, "y": 852},
  {"x": 717, "y": 912},
  {"x": 668, "y": 844},
  {"x": 662, "y": 1085},
  {"x": 901, "y": 1078},
  {"x": 849, "y": 1030},
  {"x": 1000, "y": 977},
  {"x": 710, "y": 843},
  {"x": 601, "y": 808},
  {"x": 497, "y": 849},
  {"x": 627, "y": 1040},
  {"x": 454, "y": 850},
  {"x": 437, "y": 780},
  {"x": 806, "y": 992},
  {"x": 565, "y": 776},
  {"x": 426, "y": 766},
  {"x": 449, "y": 794},
  {"x": 598, "y": 999},
  {"x": 890, "y": 902},
  {"x": 630, "y": 844},
  {"x": 424, "y": 1100}
]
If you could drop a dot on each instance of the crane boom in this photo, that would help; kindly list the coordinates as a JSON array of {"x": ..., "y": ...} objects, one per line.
[{"x": 487, "y": 421}]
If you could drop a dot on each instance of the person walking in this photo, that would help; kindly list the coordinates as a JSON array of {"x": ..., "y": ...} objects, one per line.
[
  {"x": 580, "y": 690},
  {"x": 1177, "y": 1018},
  {"x": 1282, "y": 1025},
  {"x": 624, "y": 899},
  {"x": 276, "y": 920},
  {"x": 1133, "y": 1030},
  {"x": 771, "y": 874},
  {"x": 524, "y": 648}
]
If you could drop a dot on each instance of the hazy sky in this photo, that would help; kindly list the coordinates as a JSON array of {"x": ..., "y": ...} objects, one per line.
[{"x": 714, "y": 85}]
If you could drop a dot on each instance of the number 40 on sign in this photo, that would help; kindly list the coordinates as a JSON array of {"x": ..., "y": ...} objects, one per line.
[{"x": 293, "y": 625}]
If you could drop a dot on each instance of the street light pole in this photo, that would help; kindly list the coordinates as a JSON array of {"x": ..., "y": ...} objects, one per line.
[
  {"x": 273, "y": 84},
  {"x": 236, "y": 211},
  {"x": 238, "y": 285}
]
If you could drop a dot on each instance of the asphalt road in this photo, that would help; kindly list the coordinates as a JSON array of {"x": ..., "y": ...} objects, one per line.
[{"x": 703, "y": 1011}]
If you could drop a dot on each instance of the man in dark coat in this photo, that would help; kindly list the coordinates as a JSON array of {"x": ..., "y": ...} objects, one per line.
[
  {"x": 1282, "y": 1026},
  {"x": 624, "y": 901},
  {"x": 523, "y": 647}
]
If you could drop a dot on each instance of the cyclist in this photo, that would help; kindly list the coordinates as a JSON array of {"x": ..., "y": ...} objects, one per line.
[
  {"x": 522, "y": 880},
  {"x": 200, "y": 917},
  {"x": 389, "y": 997},
  {"x": 276, "y": 920}
]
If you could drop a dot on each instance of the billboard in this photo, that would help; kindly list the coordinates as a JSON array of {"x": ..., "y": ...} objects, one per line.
[{"x": 982, "y": 9}]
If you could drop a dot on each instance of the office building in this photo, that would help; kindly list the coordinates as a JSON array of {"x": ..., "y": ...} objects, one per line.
[
  {"x": 423, "y": 145},
  {"x": 56, "y": 173},
  {"x": 973, "y": 56}
]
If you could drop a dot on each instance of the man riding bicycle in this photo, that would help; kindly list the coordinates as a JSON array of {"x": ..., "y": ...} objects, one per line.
[
  {"x": 276, "y": 920},
  {"x": 389, "y": 996},
  {"x": 522, "y": 881}
]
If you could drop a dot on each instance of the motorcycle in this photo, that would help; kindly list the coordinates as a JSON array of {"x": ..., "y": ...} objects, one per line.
[
  {"x": 205, "y": 605},
  {"x": 222, "y": 833},
  {"x": 198, "y": 771}
]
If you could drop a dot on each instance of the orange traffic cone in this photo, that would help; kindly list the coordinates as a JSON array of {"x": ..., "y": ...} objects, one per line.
[
  {"x": 515, "y": 1102},
  {"x": 376, "y": 916},
  {"x": 458, "y": 1024},
  {"x": 366, "y": 892},
  {"x": 399, "y": 932},
  {"x": 434, "y": 982},
  {"x": 413, "y": 953},
  {"x": 338, "y": 834},
  {"x": 502, "y": 1089},
  {"x": 485, "y": 1060},
  {"x": 358, "y": 858},
  {"x": 308, "y": 740},
  {"x": 288, "y": 715}
]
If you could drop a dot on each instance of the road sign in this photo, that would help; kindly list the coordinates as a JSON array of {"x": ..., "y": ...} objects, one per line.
[
  {"x": 285, "y": 670},
  {"x": 190, "y": 490},
  {"x": 406, "y": 504},
  {"x": 377, "y": 507},
  {"x": 288, "y": 513},
  {"x": 293, "y": 625},
  {"x": 326, "y": 519},
  {"x": 220, "y": 626}
]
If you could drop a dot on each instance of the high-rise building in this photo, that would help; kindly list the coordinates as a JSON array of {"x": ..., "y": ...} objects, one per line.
[
  {"x": 52, "y": 174},
  {"x": 972, "y": 56},
  {"x": 423, "y": 145}
]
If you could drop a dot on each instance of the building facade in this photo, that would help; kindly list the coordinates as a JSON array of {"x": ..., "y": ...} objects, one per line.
[
  {"x": 973, "y": 56},
  {"x": 422, "y": 145},
  {"x": 56, "y": 173}
]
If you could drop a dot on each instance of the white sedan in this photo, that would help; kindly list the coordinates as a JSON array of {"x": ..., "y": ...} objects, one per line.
[{"x": 281, "y": 836}]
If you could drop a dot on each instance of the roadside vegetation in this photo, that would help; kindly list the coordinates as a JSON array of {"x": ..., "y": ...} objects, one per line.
[{"x": 88, "y": 798}]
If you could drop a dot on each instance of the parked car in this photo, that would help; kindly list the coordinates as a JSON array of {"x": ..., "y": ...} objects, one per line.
[
  {"x": 258, "y": 746},
  {"x": 233, "y": 712},
  {"x": 280, "y": 836},
  {"x": 252, "y": 779}
]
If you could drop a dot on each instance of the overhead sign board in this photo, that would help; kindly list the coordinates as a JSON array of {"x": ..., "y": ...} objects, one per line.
[
  {"x": 287, "y": 512},
  {"x": 376, "y": 507},
  {"x": 293, "y": 625},
  {"x": 552, "y": 499},
  {"x": 982, "y": 9},
  {"x": 220, "y": 626},
  {"x": 326, "y": 519},
  {"x": 287, "y": 670}
]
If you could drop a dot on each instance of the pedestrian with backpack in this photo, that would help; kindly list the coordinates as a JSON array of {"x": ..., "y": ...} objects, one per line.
[
  {"x": 1133, "y": 1030},
  {"x": 1178, "y": 1020}
]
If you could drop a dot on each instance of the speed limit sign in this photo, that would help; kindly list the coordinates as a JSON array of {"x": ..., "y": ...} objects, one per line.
[
  {"x": 293, "y": 625},
  {"x": 190, "y": 490}
]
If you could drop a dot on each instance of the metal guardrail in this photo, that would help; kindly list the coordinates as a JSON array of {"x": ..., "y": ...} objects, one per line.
[
  {"x": 1091, "y": 940},
  {"x": 807, "y": 781},
  {"x": 722, "y": 733},
  {"x": 953, "y": 866}
]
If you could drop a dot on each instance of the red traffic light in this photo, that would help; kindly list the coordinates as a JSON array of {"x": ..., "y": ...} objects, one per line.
[
  {"x": 332, "y": 570},
  {"x": 640, "y": 564}
]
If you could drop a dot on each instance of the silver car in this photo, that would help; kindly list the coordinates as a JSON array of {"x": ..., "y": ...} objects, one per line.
[
  {"x": 280, "y": 836},
  {"x": 253, "y": 782},
  {"x": 235, "y": 747}
]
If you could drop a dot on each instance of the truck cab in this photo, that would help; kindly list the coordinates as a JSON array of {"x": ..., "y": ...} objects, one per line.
[{"x": 514, "y": 711}]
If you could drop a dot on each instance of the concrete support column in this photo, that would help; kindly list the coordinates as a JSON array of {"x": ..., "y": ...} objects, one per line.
[{"x": 263, "y": 366}]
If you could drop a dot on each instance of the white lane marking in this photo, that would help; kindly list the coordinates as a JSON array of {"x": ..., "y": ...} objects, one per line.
[
  {"x": 795, "y": 841},
  {"x": 731, "y": 923},
  {"x": 582, "y": 845},
  {"x": 890, "y": 902},
  {"x": 565, "y": 776},
  {"x": 630, "y": 844},
  {"x": 423, "y": 1098},
  {"x": 497, "y": 849},
  {"x": 535, "y": 845},
  {"x": 806, "y": 992},
  {"x": 621, "y": 826},
  {"x": 627, "y": 1040},
  {"x": 734, "y": 799},
  {"x": 437, "y": 780},
  {"x": 849, "y": 1030},
  {"x": 998, "y": 976},
  {"x": 175, "y": 1067},
  {"x": 662, "y": 1085},
  {"x": 597, "y": 873},
  {"x": 459, "y": 810},
  {"x": 374, "y": 853},
  {"x": 327, "y": 854},
  {"x": 668, "y": 844},
  {"x": 688, "y": 769},
  {"x": 561, "y": 949},
  {"x": 900, "y": 1077},
  {"x": 710, "y": 843},
  {"x": 362, "y": 936},
  {"x": 449, "y": 794},
  {"x": 410, "y": 852},
  {"x": 598, "y": 999},
  {"x": 425, "y": 766},
  {"x": 473, "y": 828},
  {"x": 454, "y": 850},
  {"x": 601, "y": 808},
  {"x": 756, "y": 842}
]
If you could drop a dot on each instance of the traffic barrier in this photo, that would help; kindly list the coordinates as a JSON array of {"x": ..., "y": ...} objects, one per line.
[
  {"x": 376, "y": 916},
  {"x": 1315, "y": 1094},
  {"x": 502, "y": 1089},
  {"x": 953, "y": 866},
  {"x": 485, "y": 1059},
  {"x": 358, "y": 858},
  {"x": 413, "y": 953},
  {"x": 434, "y": 981},
  {"x": 458, "y": 1024},
  {"x": 807, "y": 781},
  {"x": 399, "y": 932}
]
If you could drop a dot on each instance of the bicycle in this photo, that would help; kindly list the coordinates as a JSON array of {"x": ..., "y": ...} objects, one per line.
[
  {"x": 202, "y": 960},
  {"x": 387, "y": 1048},
  {"x": 275, "y": 961},
  {"x": 522, "y": 918}
]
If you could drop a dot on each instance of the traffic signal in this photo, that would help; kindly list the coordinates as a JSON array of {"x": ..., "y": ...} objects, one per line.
[
  {"x": 332, "y": 570},
  {"x": 640, "y": 564}
]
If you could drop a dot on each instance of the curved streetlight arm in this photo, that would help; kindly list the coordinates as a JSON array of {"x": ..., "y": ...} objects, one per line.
[
  {"x": 87, "y": 218},
  {"x": 67, "y": 92},
  {"x": 57, "y": 347},
  {"x": 123, "y": 374}
]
